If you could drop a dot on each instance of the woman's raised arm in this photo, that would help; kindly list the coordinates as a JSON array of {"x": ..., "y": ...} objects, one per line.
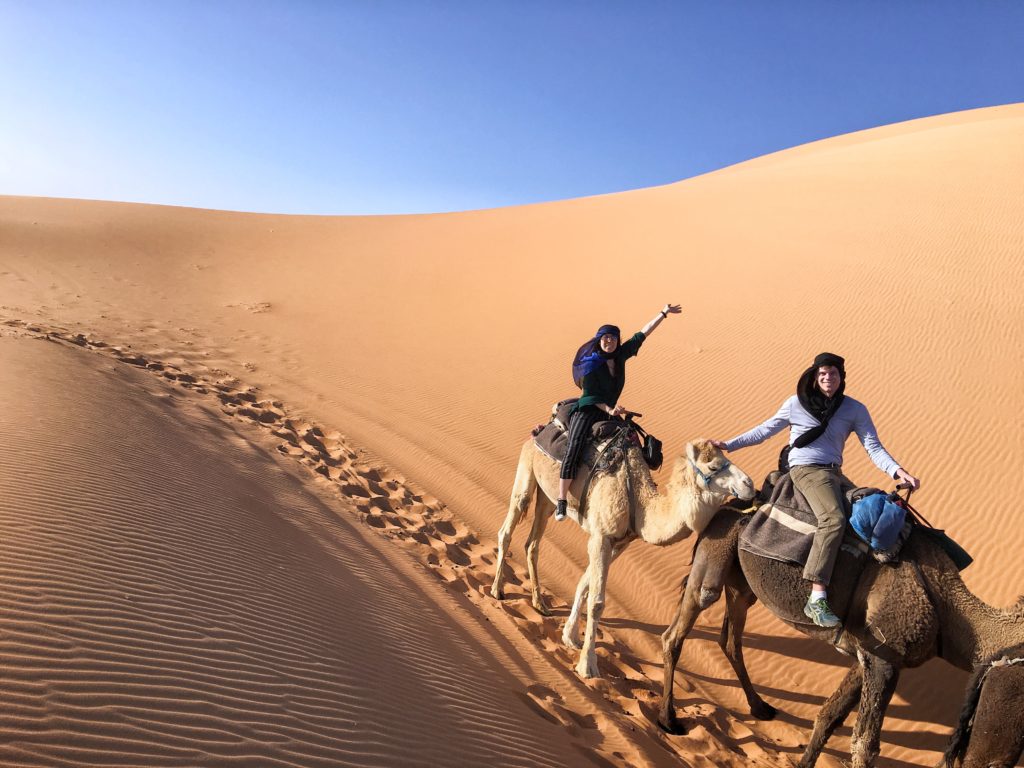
[{"x": 668, "y": 309}]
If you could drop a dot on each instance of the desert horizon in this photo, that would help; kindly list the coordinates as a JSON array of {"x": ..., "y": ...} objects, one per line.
[{"x": 257, "y": 463}]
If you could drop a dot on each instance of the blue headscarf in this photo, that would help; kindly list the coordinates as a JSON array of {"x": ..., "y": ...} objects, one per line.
[{"x": 590, "y": 356}]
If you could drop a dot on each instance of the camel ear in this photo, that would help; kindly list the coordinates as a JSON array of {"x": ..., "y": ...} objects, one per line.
[{"x": 691, "y": 452}]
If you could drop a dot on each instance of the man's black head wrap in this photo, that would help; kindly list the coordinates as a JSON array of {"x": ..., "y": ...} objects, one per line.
[{"x": 812, "y": 399}]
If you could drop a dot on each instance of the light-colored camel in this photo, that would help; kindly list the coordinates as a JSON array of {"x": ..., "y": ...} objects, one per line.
[
  {"x": 896, "y": 616},
  {"x": 990, "y": 733},
  {"x": 701, "y": 481}
]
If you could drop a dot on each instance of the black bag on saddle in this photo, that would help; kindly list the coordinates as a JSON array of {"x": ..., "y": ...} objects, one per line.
[{"x": 651, "y": 447}]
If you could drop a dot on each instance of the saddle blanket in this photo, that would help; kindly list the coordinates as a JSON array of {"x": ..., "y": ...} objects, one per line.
[
  {"x": 553, "y": 438},
  {"x": 783, "y": 529}
]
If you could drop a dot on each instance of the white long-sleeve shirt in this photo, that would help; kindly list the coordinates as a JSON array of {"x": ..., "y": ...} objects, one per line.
[{"x": 852, "y": 416}]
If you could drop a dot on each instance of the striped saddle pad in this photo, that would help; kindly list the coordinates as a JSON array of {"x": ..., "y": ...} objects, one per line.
[{"x": 783, "y": 529}]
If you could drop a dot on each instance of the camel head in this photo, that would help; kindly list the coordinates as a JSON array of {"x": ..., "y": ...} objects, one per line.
[{"x": 715, "y": 473}]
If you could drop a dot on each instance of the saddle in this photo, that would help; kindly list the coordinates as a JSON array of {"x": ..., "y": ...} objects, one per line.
[
  {"x": 783, "y": 528},
  {"x": 552, "y": 439}
]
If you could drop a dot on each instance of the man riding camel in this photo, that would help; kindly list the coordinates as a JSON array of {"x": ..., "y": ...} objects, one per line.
[{"x": 821, "y": 418}]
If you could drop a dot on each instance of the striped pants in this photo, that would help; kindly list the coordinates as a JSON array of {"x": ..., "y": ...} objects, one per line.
[{"x": 579, "y": 432}]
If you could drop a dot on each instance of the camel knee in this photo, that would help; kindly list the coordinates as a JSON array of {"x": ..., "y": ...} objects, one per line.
[
  {"x": 670, "y": 637},
  {"x": 504, "y": 539},
  {"x": 708, "y": 596},
  {"x": 531, "y": 549},
  {"x": 520, "y": 501}
]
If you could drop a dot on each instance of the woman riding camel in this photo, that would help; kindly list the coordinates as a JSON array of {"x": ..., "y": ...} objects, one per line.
[{"x": 599, "y": 369}]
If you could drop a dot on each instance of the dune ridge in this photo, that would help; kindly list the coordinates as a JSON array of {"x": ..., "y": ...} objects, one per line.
[{"x": 436, "y": 342}]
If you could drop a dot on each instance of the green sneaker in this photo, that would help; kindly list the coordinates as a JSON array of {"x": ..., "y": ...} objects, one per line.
[{"x": 820, "y": 613}]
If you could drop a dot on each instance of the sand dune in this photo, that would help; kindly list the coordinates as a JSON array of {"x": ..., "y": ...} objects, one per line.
[
  {"x": 435, "y": 342},
  {"x": 173, "y": 596}
]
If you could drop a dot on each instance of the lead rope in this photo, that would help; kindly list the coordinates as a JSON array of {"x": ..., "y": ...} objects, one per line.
[
  {"x": 905, "y": 503},
  {"x": 629, "y": 495}
]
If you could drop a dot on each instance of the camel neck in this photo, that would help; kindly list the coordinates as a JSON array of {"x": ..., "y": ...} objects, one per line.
[
  {"x": 673, "y": 514},
  {"x": 971, "y": 629}
]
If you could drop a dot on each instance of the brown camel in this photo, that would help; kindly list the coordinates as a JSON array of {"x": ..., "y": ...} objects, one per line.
[
  {"x": 991, "y": 729},
  {"x": 896, "y": 616},
  {"x": 620, "y": 507}
]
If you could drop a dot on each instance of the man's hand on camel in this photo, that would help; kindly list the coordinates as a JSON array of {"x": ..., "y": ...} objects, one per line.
[{"x": 719, "y": 444}]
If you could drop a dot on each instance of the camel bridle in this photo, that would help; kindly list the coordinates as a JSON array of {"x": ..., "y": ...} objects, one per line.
[{"x": 708, "y": 477}]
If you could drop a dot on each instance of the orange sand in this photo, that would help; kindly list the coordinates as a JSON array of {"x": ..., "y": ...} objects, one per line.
[{"x": 432, "y": 344}]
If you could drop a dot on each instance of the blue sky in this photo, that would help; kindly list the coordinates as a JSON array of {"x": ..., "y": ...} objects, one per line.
[{"x": 391, "y": 106}]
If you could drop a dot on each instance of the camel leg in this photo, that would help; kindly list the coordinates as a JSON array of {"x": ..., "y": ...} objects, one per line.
[
  {"x": 701, "y": 589},
  {"x": 671, "y": 647},
  {"x": 571, "y": 630},
  {"x": 522, "y": 492},
  {"x": 880, "y": 678},
  {"x": 738, "y": 600},
  {"x": 600, "y": 551},
  {"x": 541, "y": 515},
  {"x": 831, "y": 715}
]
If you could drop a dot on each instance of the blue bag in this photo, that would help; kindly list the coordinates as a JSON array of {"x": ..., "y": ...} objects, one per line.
[{"x": 877, "y": 520}]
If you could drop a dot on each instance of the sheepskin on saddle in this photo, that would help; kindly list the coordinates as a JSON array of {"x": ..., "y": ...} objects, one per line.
[
  {"x": 783, "y": 529},
  {"x": 553, "y": 438}
]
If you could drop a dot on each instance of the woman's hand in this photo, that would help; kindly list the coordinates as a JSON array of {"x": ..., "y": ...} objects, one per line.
[
  {"x": 668, "y": 309},
  {"x": 618, "y": 410}
]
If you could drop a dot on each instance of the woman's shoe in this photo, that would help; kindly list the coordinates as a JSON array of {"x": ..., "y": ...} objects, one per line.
[{"x": 561, "y": 508}]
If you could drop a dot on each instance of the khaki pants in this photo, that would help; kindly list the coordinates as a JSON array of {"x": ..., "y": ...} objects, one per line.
[{"x": 825, "y": 490}]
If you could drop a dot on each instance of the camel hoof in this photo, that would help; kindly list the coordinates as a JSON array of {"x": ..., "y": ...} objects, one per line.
[
  {"x": 672, "y": 726},
  {"x": 763, "y": 711},
  {"x": 541, "y": 607},
  {"x": 587, "y": 671},
  {"x": 497, "y": 593}
]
